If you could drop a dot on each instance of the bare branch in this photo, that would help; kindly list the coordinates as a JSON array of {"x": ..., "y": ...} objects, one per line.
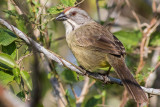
[
  {"x": 151, "y": 91},
  {"x": 20, "y": 60},
  {"x": 98, "y": 12},
  {"x": 135, "y": 15},
  {"x": 56, "y": 85},
  {"x": 67, "y": 64},
  {"x": 74, "y": 93},
  {"x": 84, "y": 92}
]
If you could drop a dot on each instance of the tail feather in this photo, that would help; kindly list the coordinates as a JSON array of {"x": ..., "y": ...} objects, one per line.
[{"x": 127, "y": 79}]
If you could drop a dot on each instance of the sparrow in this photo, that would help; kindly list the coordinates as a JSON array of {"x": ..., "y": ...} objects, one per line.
[{"x": 95, "y": 47}]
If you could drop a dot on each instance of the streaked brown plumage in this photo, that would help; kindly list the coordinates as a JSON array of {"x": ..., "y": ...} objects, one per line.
[{"x": 95, "y": 47}]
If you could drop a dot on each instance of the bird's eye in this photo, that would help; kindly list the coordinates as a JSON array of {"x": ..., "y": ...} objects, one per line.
[{"x": 73, "y": 13}]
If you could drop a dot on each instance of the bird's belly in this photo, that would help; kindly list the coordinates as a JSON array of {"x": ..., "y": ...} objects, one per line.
[{"x": 89, "y": 59}]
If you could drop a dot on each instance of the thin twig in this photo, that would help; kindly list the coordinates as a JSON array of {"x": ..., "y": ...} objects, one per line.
[
  {"x": 59, "y": 92},
  {"x": 158, "y": 64},
  {"x": 152, "y": 27},
  {"x": 79, "y": 3},
  {"x": 98, "y": 12},
  {"x": 91, "y": 84},
  {"x": 74, "y": 93},
  {"x": 124, "y": 99},
  {"x": 154, "y": 6},
  {"x": 41, "y": 11},
  {"x": 135, "y": 15},
  {"x": 83, "y": 92},
  {"x": 20, "y": 60}
]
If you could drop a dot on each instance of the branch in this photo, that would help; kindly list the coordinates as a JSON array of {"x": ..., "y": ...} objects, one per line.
[
  {"x": 56, "y": 85},
  {"x": 83, "y": 92},
  {"x": 67, "y": 64},
  {"x": 98, "y": 11},
  {"x": 151, "y": 91}
]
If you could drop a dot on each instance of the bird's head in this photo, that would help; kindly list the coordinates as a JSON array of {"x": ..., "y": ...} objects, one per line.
[{"x": 73, "y": 18}]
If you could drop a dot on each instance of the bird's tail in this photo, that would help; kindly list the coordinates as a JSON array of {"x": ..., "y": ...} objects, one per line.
[{"x": 127, "y": 79}]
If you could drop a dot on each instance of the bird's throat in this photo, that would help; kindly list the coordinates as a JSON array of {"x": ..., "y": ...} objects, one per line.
[{"x": 70, "y": 26}]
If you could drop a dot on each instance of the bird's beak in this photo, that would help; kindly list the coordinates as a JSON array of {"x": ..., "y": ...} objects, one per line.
[{"x": 61, "y": 17}]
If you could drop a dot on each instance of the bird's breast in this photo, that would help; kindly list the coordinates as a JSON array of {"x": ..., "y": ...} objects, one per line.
[{"x": 89, "y": 59}]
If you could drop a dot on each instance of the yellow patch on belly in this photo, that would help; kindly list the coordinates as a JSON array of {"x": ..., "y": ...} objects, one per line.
[{"x": 104, "y": 64}]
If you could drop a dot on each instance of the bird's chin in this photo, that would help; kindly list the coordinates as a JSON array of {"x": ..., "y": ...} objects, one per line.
[{"x": 69, "y": 28}]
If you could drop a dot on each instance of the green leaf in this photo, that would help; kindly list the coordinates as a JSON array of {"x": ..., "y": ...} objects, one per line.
[
  {"x": 70, "y": 99},
  {"x": 10, "y": 12},
  {"x": 5, "y": 78},
  {"x": 6, "y": 62},
  {"x": 59, "y": 8},
  {"x": 92, "y": 102},
  {"x": 6, "y": 37},
  {"x": 141, "y": 77},
  {"x": 27, "y": 79},
  {"x": 104, "y": 93},
  {"x": 21, "y": 24},
  {"x": 155, "y": 39},
  {"x": 10, "y": 50},
  {"x": 55, "y": 9},
  {"x": 69, "y": 76},
  {"x": 68, "y": 2},
  {"x": 100, "y": 95},
  {"x": 21, "y": 95},
  {"x": 128, "y": 38},
  {"x": 72, "y": 2},
  {"x": 14, "y": 87},
  {"x": 65, "y": 2},
  {"x": 16, "y": 73}
]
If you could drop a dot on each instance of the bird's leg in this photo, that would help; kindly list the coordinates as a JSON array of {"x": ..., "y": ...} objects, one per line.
[
  {"x": 84, "y": 73},
  {"x": 107, "y": 73}
]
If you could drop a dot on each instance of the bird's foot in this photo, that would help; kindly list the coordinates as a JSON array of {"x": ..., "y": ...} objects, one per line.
[
  {"x": 108, "y": 71},
  {"x": 105, "y": 78},
  {"x": 84, "y": 71}
]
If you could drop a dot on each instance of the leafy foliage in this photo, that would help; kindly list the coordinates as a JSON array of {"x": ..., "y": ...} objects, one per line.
[
  {"x": 6, "y": 62},
  {"x": 60, "y": 7},
  {"x": 5, "y": 78},
  {"x": 155, "y": 39},
  {"x": 69, "y": 76},
  {"x": 9, "y": 69},
  {"x": 6, "y": 37},
  {"x": 93, "y": 101},
  {"x": 26, "y": 77},
  {"x": 68, "y": 2},
  {"x": 128, "y": 38},
  {"x": 55, "y": 9},
  {"x": 10, "y": 49}
]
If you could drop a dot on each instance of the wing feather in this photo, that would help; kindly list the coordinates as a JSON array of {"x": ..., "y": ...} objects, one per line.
[{"x": 96, "y": 37}]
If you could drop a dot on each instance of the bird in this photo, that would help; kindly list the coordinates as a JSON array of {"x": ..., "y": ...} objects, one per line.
[{"x": 94, "y": 47}]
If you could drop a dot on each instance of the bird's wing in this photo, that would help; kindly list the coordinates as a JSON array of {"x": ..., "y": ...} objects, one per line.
[
  {"x": 119, "y": 44},
  {"x": 96, "y": 37}
]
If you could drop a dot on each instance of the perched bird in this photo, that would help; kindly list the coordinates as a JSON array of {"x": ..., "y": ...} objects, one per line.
[{"x": 96, "y": 47}]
